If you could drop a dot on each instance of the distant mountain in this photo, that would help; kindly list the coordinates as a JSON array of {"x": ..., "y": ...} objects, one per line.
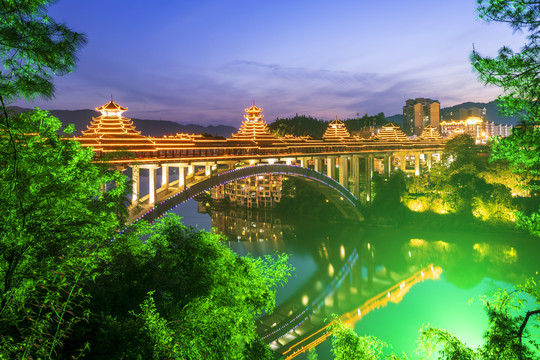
[
  {"x": 82, "y": 118},
  {"x": 492, "y": 113},
  {"x": 396, "y": 119}
]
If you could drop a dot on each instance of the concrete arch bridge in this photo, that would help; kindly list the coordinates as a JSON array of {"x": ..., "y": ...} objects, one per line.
[{"x": 347, "y": 204}]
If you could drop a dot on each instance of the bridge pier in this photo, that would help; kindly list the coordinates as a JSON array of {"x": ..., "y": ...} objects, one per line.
[
  {"x": 165, "y": 176},
  {"x": 331, "y": 167},
  {"x": 387, "y": 164},
  {"x": 318, "y": 164},
  {"x": 344, "y": 170},
  {"x": 403, "y": 162},
  {"x": 368, "y": 176},
  {"x": 355, "y": 174},
  {"x": 151, "y": 183},
  {"x": 416, "y": 163},
  {"x": 135, "y": 178}
]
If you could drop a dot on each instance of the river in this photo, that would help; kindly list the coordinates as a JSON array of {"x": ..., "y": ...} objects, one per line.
[{"x": 386, "y": 279}]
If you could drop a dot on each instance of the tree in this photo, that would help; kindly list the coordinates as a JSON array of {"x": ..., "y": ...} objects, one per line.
[
  {"x": 518, "y": 74},
  {"x": 55, "y": 216},
  {"x": 180, "y": 294},
  {"x": 347, "y": 345},
  {"x": 299, "y": 125},
  {"x": 33, "y": 48},
  {"x": 509, "y": 317}
]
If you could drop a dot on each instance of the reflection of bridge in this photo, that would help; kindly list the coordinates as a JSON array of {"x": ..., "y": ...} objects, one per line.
[
  {"x": 312, "y": 338},
  {"x": 349, "y": 160}
]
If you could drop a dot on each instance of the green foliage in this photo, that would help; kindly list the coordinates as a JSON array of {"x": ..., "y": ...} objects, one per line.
[
  {"x": 507, "y": 336},
  {"x": 312, "y": 354},
  {"x": 365, "y": 121},
  {"x": 388, "y": 193},
  {"x": 447, "y": 346},
  {"x": 517, "y": 73},
  {"x": 33, "y": 48},
  {"x": 347, "y": 345},
  {"x": 204, "y": 298},
  {"x": 55, "y": 218},
  {"x": 299, "y": 125}
]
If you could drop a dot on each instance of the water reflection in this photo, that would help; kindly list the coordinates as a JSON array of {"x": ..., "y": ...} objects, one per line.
[{"x": 340, "y": 267}]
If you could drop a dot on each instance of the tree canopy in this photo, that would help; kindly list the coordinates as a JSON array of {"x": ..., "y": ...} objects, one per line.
[
  {"x": 517, "y": 73},
  {"x": 33, "y": 48}
]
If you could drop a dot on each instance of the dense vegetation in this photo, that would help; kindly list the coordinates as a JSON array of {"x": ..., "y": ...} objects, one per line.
[{"x": 302, "y": 125}]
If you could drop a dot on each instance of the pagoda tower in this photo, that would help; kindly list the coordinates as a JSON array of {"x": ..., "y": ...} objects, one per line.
[
  {"x": 430, "y": 133},
  {"x": 112, "y": 132},
  {"x": 391, "y": 132},
  {"x": 253, "y": 128},
  {"x": 336, "y": 130}
]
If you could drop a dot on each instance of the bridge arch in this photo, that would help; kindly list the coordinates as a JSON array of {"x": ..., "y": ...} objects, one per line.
[{"x": 341, "y": 197}]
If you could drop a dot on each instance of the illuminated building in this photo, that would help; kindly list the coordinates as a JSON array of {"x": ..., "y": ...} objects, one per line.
[
  {"x": 476, "y": 127},
  {"x": 336, "y": 130},
  {"x": 430, "y": 133},
  {"x": 255, "y": 191},
  {"x": 254, "y": 129},
  {"x": 419, "y": 113},
  {"x": 262, "y": 191},
  {"x": 111, "y": 132},
  {"x": 391, "y": 132}
]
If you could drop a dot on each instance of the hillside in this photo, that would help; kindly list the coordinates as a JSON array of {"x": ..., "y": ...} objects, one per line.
[{"x": 82, "y": 118}]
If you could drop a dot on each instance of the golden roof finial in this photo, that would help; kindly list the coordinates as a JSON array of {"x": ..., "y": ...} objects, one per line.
[{"x": 111, "y": 98}]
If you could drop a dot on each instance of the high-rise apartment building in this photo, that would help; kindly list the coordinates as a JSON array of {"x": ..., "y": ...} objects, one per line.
[{"x": 419, "y": 113}]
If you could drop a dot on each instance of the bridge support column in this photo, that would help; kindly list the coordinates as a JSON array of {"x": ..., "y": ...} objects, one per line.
[
  {"x": 369, "y": 175},
  {"x": 135, "y": 177},
  {"x": 355, "y": 173},
  {"x": 344, "y": 171},
  {"x": 208, "y": 169},
  {"x": 387, "y": 163},
  {"x": 165, "y": 176},
  {"x": 318, "y": 164},
  {"x": 403, "y": 162},
  {"x": 182, "y": 174},
  {"x": 152, "y": 184},
  {"x": 416, "y": 164},
  {"x": 331, "y": 167}
]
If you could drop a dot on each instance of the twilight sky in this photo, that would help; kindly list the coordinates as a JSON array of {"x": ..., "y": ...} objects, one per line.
[{"x": 204, "y": 61}]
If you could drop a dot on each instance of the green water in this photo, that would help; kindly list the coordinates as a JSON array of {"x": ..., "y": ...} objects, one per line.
[{"x": 340, "y": 267}]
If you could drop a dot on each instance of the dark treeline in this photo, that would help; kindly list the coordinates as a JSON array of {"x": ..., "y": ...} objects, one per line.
[{"x": 305, "y": 125}]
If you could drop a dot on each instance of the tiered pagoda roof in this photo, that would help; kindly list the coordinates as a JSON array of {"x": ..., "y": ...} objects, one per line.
[
  {"x": 391, "y": 132},
  {"x": 430, "y": 133},
  {"x": 336, "y": 131},
  {"x": 254, "y": 129},
  {"x": 112, "y": 132}
]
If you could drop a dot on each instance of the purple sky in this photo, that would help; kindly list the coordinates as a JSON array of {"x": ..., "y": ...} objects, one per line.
[{"x": 205, "y": 61}]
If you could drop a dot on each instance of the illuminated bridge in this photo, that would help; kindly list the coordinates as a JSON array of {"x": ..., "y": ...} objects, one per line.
[{"x": 349, "y": 161}]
